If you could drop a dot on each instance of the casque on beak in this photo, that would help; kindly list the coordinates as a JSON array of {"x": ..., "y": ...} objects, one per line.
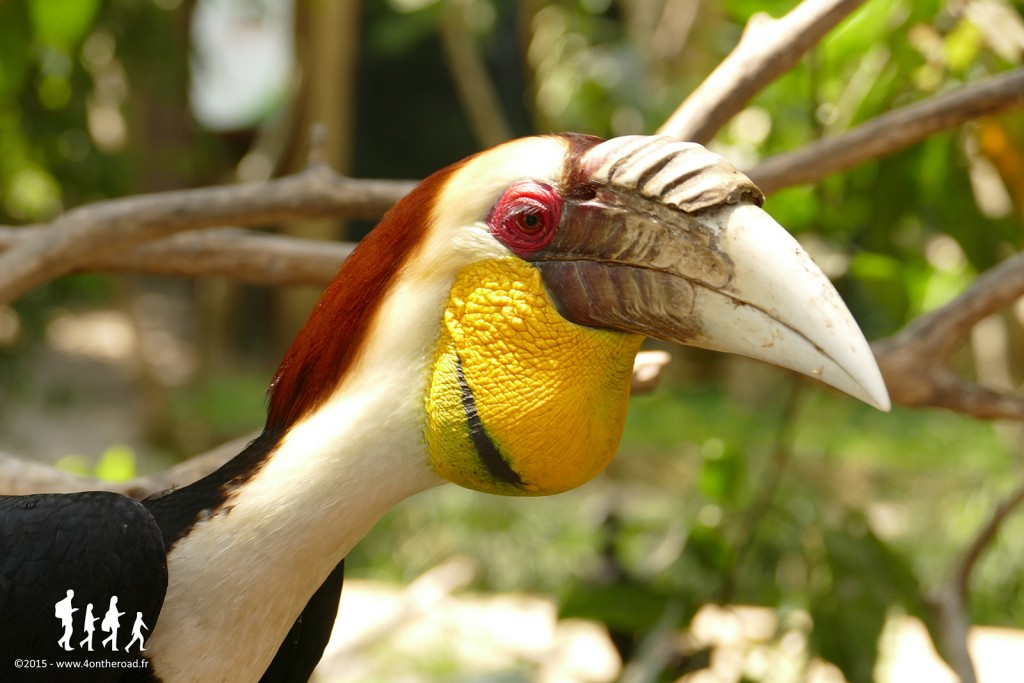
[{"x": 673, "y": 244}]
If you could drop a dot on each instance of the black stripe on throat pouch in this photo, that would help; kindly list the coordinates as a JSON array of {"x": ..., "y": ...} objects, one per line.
[{"x": 489, "y": 454}]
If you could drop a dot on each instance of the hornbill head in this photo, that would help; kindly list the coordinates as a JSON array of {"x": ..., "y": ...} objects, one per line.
[{"x": 528, "y": 275}]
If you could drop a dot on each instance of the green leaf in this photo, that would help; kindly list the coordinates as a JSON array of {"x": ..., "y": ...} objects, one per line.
[
  {"x": 742, "y": 10},
  {"x": 14, "y": 48},
  {"x": 62, "y": 23},
  {"x": 75, "y": 464},
  {"x": 720, "y": 477},
  {"x": 873, "y": 266},
  {"x": 709, "y": 550},
  {"x": 962, "y": 47},
  {"x": 116, "y": 464},
  {"x": 33, "y": 194},
  {"x": 625, "y": 605},
  {"x": 868, "y": 579},
  {"x": 866, "y": 27}
]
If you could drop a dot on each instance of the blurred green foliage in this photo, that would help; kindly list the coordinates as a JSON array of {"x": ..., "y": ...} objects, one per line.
[
  {"x": 115, "y": 464},
  {"x": 726, "y": 490}
]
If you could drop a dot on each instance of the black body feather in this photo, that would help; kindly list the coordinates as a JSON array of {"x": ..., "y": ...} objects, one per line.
[{"x": 101, "y": 544}]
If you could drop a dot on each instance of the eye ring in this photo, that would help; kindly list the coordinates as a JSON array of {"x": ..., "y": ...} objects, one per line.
[{"x": 526, "y": 217}]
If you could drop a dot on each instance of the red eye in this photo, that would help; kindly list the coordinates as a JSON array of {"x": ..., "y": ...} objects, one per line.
[{"x": 526, "y": 216}]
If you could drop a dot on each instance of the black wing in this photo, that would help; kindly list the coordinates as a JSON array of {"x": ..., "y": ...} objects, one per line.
[
  {"x": 96, "y": 544},
  {"x": 304, "y": 645}
]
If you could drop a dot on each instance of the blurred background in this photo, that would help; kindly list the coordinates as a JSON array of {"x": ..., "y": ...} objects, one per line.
[{"x": 736, "y": 484}]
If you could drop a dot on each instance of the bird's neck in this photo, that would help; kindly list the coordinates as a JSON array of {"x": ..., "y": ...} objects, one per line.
[
  {"x": 278, "y": 537},
  {"x": 342, "y": 445}
]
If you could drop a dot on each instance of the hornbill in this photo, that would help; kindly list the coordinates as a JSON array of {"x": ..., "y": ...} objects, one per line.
[{"x": 483, "y": 333}]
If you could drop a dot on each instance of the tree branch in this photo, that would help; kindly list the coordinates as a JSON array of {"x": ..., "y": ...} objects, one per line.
[
  {"x": 253, "y": 257},
  {"x": 23, "y": 477},
  {"x": 985, "y": 535},
  {"x": 890, "y": 132},
  {"x": 915, "y": 361},
  {"x": 768, "y": 48},
  {"x": 80, "y": 235},
  {"x": 949, "y": 604},
  {"x": 98, "y": 236}
]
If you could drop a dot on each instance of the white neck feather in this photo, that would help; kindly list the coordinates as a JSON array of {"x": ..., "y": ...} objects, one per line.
[{"x": 240, "y": 579}]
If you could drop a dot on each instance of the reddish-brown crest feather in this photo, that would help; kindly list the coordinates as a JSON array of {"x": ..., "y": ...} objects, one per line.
[{"x": 330, "y": 340}]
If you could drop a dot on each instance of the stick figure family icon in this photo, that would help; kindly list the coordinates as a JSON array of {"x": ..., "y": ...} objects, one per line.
[{"x": 111, "y": 622}]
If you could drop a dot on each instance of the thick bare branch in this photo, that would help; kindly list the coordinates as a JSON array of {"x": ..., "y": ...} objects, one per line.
[
  {"x": 80, "y": 235},
  {"x": 252, "y": 257},
  {"x": 890, "y": 132},
  {"x": 915, "y": 361},
  {"x": 20, "y": 477},
  {"x": 768, "y": 48}
]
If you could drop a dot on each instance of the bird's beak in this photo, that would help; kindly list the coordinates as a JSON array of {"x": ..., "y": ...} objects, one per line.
[{"x": 670, "y": 242}]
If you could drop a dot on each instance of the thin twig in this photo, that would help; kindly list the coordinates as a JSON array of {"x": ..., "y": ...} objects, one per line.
[
  {"x": 749, "y": 522},
  {"x": 317, "y": 155},
  {"x": 915, "y": 361},
  {"x": 890, "y": 132},
  {"x": 949, "y": 604},
  {"x": 768, "y": 48},
  {"x": 984, "y": 537},
  {"x": 80, "y": 235}
]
